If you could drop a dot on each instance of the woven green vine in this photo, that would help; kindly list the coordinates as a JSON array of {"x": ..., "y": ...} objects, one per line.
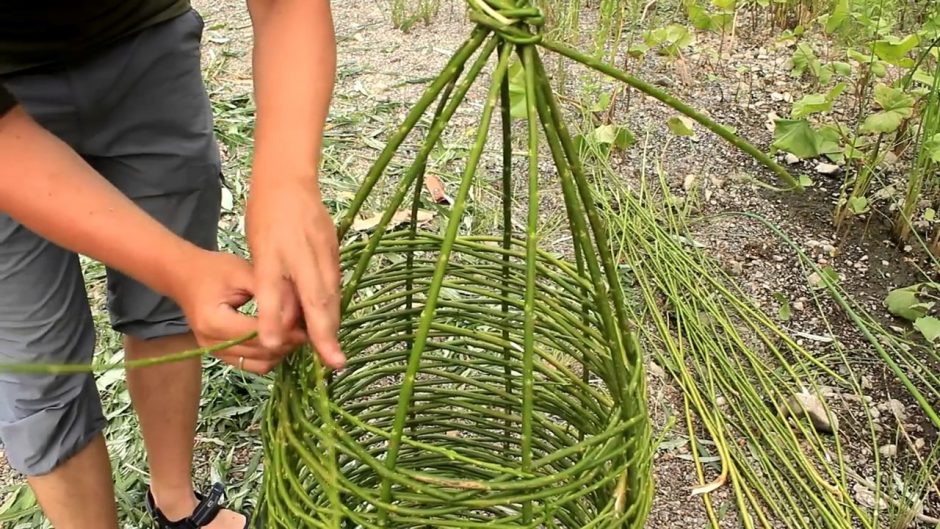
[{"x": 489, "y": 384}]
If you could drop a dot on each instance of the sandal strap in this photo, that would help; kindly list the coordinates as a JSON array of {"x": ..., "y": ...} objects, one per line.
[
  {"x": 206, "y": 511},
  {"x": 208, "y": 507}
]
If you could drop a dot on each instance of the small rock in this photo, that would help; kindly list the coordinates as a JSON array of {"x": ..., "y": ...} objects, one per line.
[
  {"x": 829, "y": 250},
  {"x": 875, "y": 414},
  {"x": 664, "y": 81},
  {"x": 828, "y": 169},
  {"x": 776, "y": 96},
  {"x": 792, "y": 158},
  {"x": 888, "y": 450},
  {"x": 737, "y": 268},
  {"x": 867, "y": 497},
  {"x": 919, "y": 443},
  {"x": 689, "y": 182},
  {"x": 866, "y": 382},
  {"x": 810, "y": 406},
  {"x": 897, "y": 408},
  {"x": 655, "y": 370},
  {"x": 720, "y": 401},
  {"x": 798, "y": 306}
]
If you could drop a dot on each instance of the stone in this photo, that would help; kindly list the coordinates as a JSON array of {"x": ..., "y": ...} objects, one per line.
[
  {"x": 919, "y": 443},
  {"x": 792, "y": 158},
  {"x": 828, "y": 169},
  {"x": 810, "y": 406},
  {"x": 656, "y": 370},
  {"x": 888, "y": 450},
  {"x": 897, "y": 408}
]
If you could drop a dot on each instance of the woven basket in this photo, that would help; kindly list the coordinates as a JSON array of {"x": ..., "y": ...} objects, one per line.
[{"x": 489, "y": 383}]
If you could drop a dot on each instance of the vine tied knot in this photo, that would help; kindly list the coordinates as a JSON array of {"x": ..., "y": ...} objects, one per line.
[{"x": 514, "y": 23}]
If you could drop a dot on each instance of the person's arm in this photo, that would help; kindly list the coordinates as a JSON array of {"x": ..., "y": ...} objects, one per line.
[
  {"x": 49, "y": 189},
  {"x": 290, "y": 233}
]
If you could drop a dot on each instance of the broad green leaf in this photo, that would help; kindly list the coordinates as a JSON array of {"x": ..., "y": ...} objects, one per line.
[
  {"x": 895, "y": 105},
  {"x": 930, "y": 214},
  {"x": 904, "y": 303},
  {"x": 858, "y": 205},
  {"x": 681, "y": 126},
  {"x": 517, "y": 97},
  {"x": 612, "y": 135},
  {"x": 879, "y": 69},
  {"x": 893, "y": 49},
  {"x": 722, "y": 21},
  {"x": 842, "y": 68},
  {"x": 923, "y": 77},
  {"x": 796, "y": 136},
  {"x": 698, "y": 16},
  {"x": 838, "y": 15},
  {"x": 858, "y": 56},
  {"x": 803, "y": 58},
  {"x": 929, "y": 327},
  {"x": 810, "y": 104},
  {"x": 677, "y": 37},
  {"x": 655, "y": 37},
  {"x": 814, "y": 103},
  {"x": 725, "y": 5},
  {"x": 932, "y": 148},
  {"x": 784, "y": 313},
  {"x": 602, "y": 104},
  {"x": 831, "y": 141},
  {"x": 638, "y": 50},
  {"x": 805, "y": 181}
]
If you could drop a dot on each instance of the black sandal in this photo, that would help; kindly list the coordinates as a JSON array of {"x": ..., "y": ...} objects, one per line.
[{"x": 204, "y": 513}]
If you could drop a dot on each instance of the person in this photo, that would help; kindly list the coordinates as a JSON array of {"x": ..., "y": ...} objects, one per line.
[{"x": 107, "y": 150}]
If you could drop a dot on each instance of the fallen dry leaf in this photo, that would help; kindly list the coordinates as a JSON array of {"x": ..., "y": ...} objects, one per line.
[
  {"x": 400, "y": 217},
  {"x": 436, "y": 188}
]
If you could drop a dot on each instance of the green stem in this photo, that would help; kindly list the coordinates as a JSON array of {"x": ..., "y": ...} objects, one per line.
[
  {"x": 506, "y": 118},
  {"x": 528, "y": 356},
  {"x": 66, "y": 369},
  {"x": 427, "y": 315},
  {"x": 411, "y": 120},
  {"x": 676, "y": 104},
  {"x": 408, "y": 180}
]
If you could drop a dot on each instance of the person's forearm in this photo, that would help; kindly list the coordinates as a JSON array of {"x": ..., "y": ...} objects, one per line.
[
  {"x": 294, "y": 73},
  {"x": 48, "y": 188}
]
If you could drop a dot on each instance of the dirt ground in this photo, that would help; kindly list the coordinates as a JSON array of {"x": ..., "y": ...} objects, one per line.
[{"x": 380, "y": 65}]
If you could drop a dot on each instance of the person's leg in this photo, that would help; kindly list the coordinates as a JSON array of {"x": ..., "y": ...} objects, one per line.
[
  {"x": 153, "y": 139},
  {"x": 166, "y": 399},
  {"x": 79, "y": 493},
  {"x": 51, "y": 425}
]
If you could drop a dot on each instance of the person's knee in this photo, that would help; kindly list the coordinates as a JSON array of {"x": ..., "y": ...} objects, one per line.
[{"x": 42, "y": 433}]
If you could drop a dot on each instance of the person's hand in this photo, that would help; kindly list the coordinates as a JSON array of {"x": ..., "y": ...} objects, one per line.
[
  {"x": 296, "y": 264},
  {"x": 215, "y": 286}
]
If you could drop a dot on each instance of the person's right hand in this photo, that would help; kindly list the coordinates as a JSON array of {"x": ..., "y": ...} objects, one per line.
[{"x": 215, "y": 286}]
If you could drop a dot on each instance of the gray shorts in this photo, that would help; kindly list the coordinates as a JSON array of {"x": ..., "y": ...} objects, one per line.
[{"x": 138, "y": 112}]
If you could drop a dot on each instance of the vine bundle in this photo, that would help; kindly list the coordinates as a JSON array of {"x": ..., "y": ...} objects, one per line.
[{"x": 488, "y": 382}]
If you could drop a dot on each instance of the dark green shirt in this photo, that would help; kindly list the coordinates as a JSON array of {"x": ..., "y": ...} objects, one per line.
[{"x": 47, "y": 33}]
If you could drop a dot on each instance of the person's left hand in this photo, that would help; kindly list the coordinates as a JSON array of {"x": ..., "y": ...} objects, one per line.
[{"x": 296, "y": 264}]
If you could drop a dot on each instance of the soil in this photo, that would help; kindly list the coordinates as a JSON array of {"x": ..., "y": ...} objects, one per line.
[{"x": 379, "y": 64}]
